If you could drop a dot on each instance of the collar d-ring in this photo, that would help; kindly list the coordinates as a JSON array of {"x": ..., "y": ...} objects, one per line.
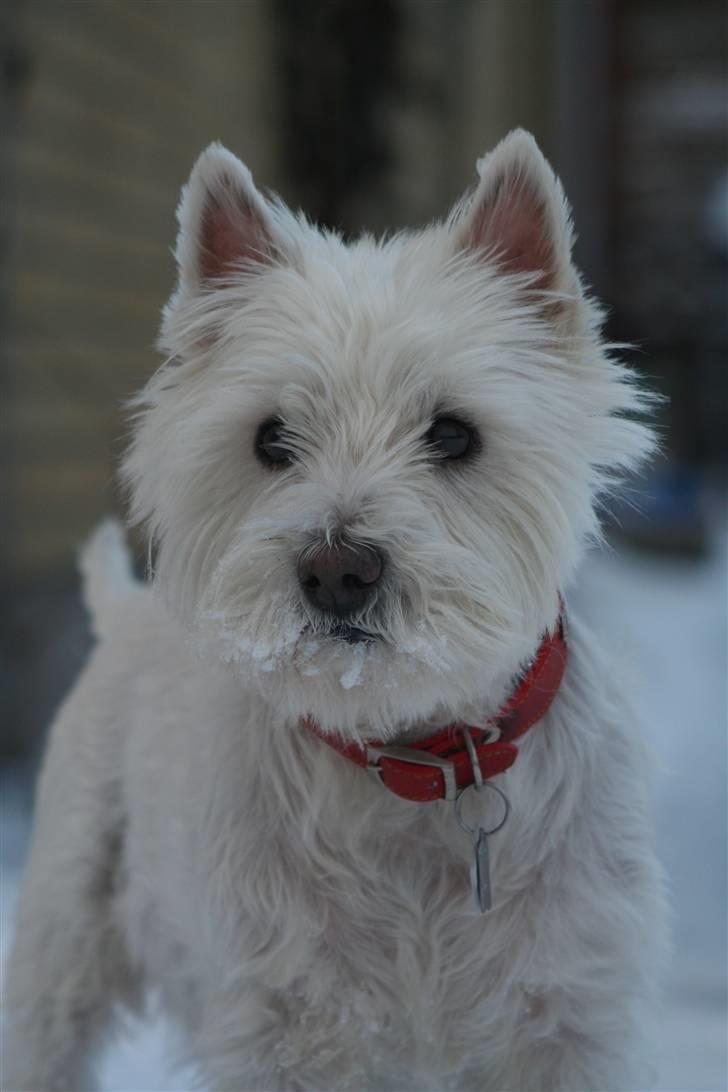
[{"x": 474, "y": 760}]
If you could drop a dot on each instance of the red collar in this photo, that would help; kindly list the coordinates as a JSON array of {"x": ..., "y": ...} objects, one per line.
[{"x": 440, "y": 767}]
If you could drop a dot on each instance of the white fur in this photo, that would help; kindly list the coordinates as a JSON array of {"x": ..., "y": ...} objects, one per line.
[{"x": 307, "y": 929}]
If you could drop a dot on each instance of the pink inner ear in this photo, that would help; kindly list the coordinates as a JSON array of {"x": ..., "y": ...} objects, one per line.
[
  {"x": 231, "y": 233},
  {"x": 511, "y": 223}
]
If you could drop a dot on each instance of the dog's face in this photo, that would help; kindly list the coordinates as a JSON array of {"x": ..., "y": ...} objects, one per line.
[{"x": 369, "y": 468}]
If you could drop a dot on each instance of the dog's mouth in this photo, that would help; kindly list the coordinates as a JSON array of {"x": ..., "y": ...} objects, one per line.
[
  {"x": 353, "y": 635},
  {"x": 344, "y": 631}
]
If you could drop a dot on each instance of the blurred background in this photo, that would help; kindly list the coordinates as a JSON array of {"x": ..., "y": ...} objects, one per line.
[{"x": 373, "y": 114}]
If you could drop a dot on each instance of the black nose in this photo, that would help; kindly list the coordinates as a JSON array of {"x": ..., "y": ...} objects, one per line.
[{"x": 340, "y": 579}]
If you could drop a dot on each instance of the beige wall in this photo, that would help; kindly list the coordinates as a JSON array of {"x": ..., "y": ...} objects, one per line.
[{"x": 120, "y": 98}]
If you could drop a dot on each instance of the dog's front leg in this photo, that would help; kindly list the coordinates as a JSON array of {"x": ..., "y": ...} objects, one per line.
[
  {"x": 574, "y": 1062},
  {"x": 68, "y": 963},
  {"x": 242, "y": 1045},
  {"x": 595, "y": 1056},
  {"x": 256, "y": 1038}
]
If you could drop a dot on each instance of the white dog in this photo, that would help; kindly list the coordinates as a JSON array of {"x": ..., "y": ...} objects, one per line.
[{"x": 367, "y": 472}]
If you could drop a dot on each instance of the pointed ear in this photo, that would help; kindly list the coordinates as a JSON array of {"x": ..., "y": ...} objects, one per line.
[
  {"x": 519, "y": 217},
  {"x": 224, "y": 222}
]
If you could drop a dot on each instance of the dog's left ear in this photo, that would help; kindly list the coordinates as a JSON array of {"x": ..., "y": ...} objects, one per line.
[
  {"x": 225, "y": 224},
  {"x": 519, "y": 218}
]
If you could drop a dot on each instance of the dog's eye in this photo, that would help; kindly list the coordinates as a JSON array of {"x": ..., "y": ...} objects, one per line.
[
  {"x": 269, "y": 447},
  {"x": 450, "y": 438}
]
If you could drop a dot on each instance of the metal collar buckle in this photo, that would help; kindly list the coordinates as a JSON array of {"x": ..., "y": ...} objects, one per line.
[{"x": 417, "y": 758}]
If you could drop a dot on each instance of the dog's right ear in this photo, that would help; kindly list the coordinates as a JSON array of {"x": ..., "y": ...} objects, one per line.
[
  {"x": 225, "y": 225},
  {"x": 518, "y": 219}
]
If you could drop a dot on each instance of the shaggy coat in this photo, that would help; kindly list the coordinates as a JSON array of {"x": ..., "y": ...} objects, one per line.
[{"x": 306, "y": 929}]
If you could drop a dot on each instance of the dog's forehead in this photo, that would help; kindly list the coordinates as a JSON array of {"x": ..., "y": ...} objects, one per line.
[{"x": 376, "y": 322}]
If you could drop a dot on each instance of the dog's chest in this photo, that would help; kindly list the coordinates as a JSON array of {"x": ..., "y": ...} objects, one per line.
[
  {"x": 378, "y": 935},
  {"x": 315, "y": 897}
]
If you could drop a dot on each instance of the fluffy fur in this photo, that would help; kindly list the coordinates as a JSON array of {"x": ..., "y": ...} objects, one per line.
[{"x": 305, "y": 928}]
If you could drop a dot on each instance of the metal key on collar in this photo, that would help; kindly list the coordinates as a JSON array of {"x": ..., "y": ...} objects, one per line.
[{"x": 480, "y": 868}]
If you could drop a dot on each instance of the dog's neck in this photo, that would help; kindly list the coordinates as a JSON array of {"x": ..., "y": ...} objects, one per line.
[
  {"x": 483, "y": 710},
  {"x": 463, "y": 752}
]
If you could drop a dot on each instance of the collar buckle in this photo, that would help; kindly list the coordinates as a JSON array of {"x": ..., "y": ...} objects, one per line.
[{"x": 417, "y": 758}]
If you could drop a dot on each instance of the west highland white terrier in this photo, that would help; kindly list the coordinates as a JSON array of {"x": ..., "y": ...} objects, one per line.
[{"x": 341, "y": 784}]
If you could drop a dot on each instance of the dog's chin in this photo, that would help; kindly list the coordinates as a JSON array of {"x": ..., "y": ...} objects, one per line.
[
  {"x": 351, "y": 679},
  {"x": 342, "y": 632},
  {"x": 348, "y": 675},
  {"x": 353, "y": 635}
]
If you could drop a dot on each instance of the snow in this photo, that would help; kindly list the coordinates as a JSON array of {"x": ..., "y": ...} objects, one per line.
[
  {"x": 666, "y": 621},
  {"x": 352, "y": 676}
]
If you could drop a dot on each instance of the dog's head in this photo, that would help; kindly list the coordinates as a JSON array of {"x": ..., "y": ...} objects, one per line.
[{"x": 368, "y": 468}]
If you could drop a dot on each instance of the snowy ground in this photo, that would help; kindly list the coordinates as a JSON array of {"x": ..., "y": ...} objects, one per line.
[{"x": 667, "y": 622}]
